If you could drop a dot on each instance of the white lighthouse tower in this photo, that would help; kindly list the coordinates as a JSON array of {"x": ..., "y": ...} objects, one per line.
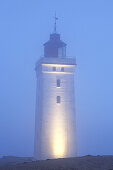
[{"x": 55, "y": 127}]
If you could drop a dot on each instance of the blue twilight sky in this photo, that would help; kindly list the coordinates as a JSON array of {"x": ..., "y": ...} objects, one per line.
[{"x": 87, "y": 27}]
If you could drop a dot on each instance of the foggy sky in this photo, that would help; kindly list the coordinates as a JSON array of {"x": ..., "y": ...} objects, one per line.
[{"x": 87, "y": 28}]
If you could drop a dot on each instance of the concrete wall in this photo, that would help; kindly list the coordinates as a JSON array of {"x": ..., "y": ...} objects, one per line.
[{"x": 55, "y": 126}]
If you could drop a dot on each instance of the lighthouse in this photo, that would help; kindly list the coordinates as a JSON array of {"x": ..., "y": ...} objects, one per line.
[{"x": 55, "y": 119}]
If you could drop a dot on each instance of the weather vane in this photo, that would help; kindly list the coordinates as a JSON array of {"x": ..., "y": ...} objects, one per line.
[{"x": 56, "y": 18}]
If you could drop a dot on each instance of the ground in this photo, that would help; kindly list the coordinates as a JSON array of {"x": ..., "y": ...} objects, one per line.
[{"x": 78, "y": 163}]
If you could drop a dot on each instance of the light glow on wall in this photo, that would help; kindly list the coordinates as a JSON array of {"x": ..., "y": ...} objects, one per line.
[
  {"x": 58, "y": 65},
  {"x": 58, "y": 145},
  {"x": 59, "y": 135},
  {"x": 56, "y": 72}
]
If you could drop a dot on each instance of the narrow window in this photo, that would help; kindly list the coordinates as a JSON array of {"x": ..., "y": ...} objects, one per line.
[
  {"x": 62, "y": 69},
  {"x": 58, "y": 99},
  {"x": 58, "y": 83},
  {"x": 54, "y": 68}
]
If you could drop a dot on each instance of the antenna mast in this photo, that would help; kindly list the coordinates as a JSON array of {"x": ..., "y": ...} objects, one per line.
[{"x": 56, "y": 18}]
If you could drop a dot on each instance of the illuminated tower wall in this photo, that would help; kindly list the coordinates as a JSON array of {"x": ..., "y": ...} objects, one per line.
[{"x": 55, "y": 127}]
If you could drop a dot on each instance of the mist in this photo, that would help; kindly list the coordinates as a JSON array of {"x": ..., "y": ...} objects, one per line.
[{"x": 87, "y": 29}]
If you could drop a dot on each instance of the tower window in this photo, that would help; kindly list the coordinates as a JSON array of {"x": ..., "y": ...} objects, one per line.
[
  {"x": 54, "y": 68},
  {"x": 62, "y": 69},
  {"x": 58, "y": 99},
  {"x": 58, "y": 83}
]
